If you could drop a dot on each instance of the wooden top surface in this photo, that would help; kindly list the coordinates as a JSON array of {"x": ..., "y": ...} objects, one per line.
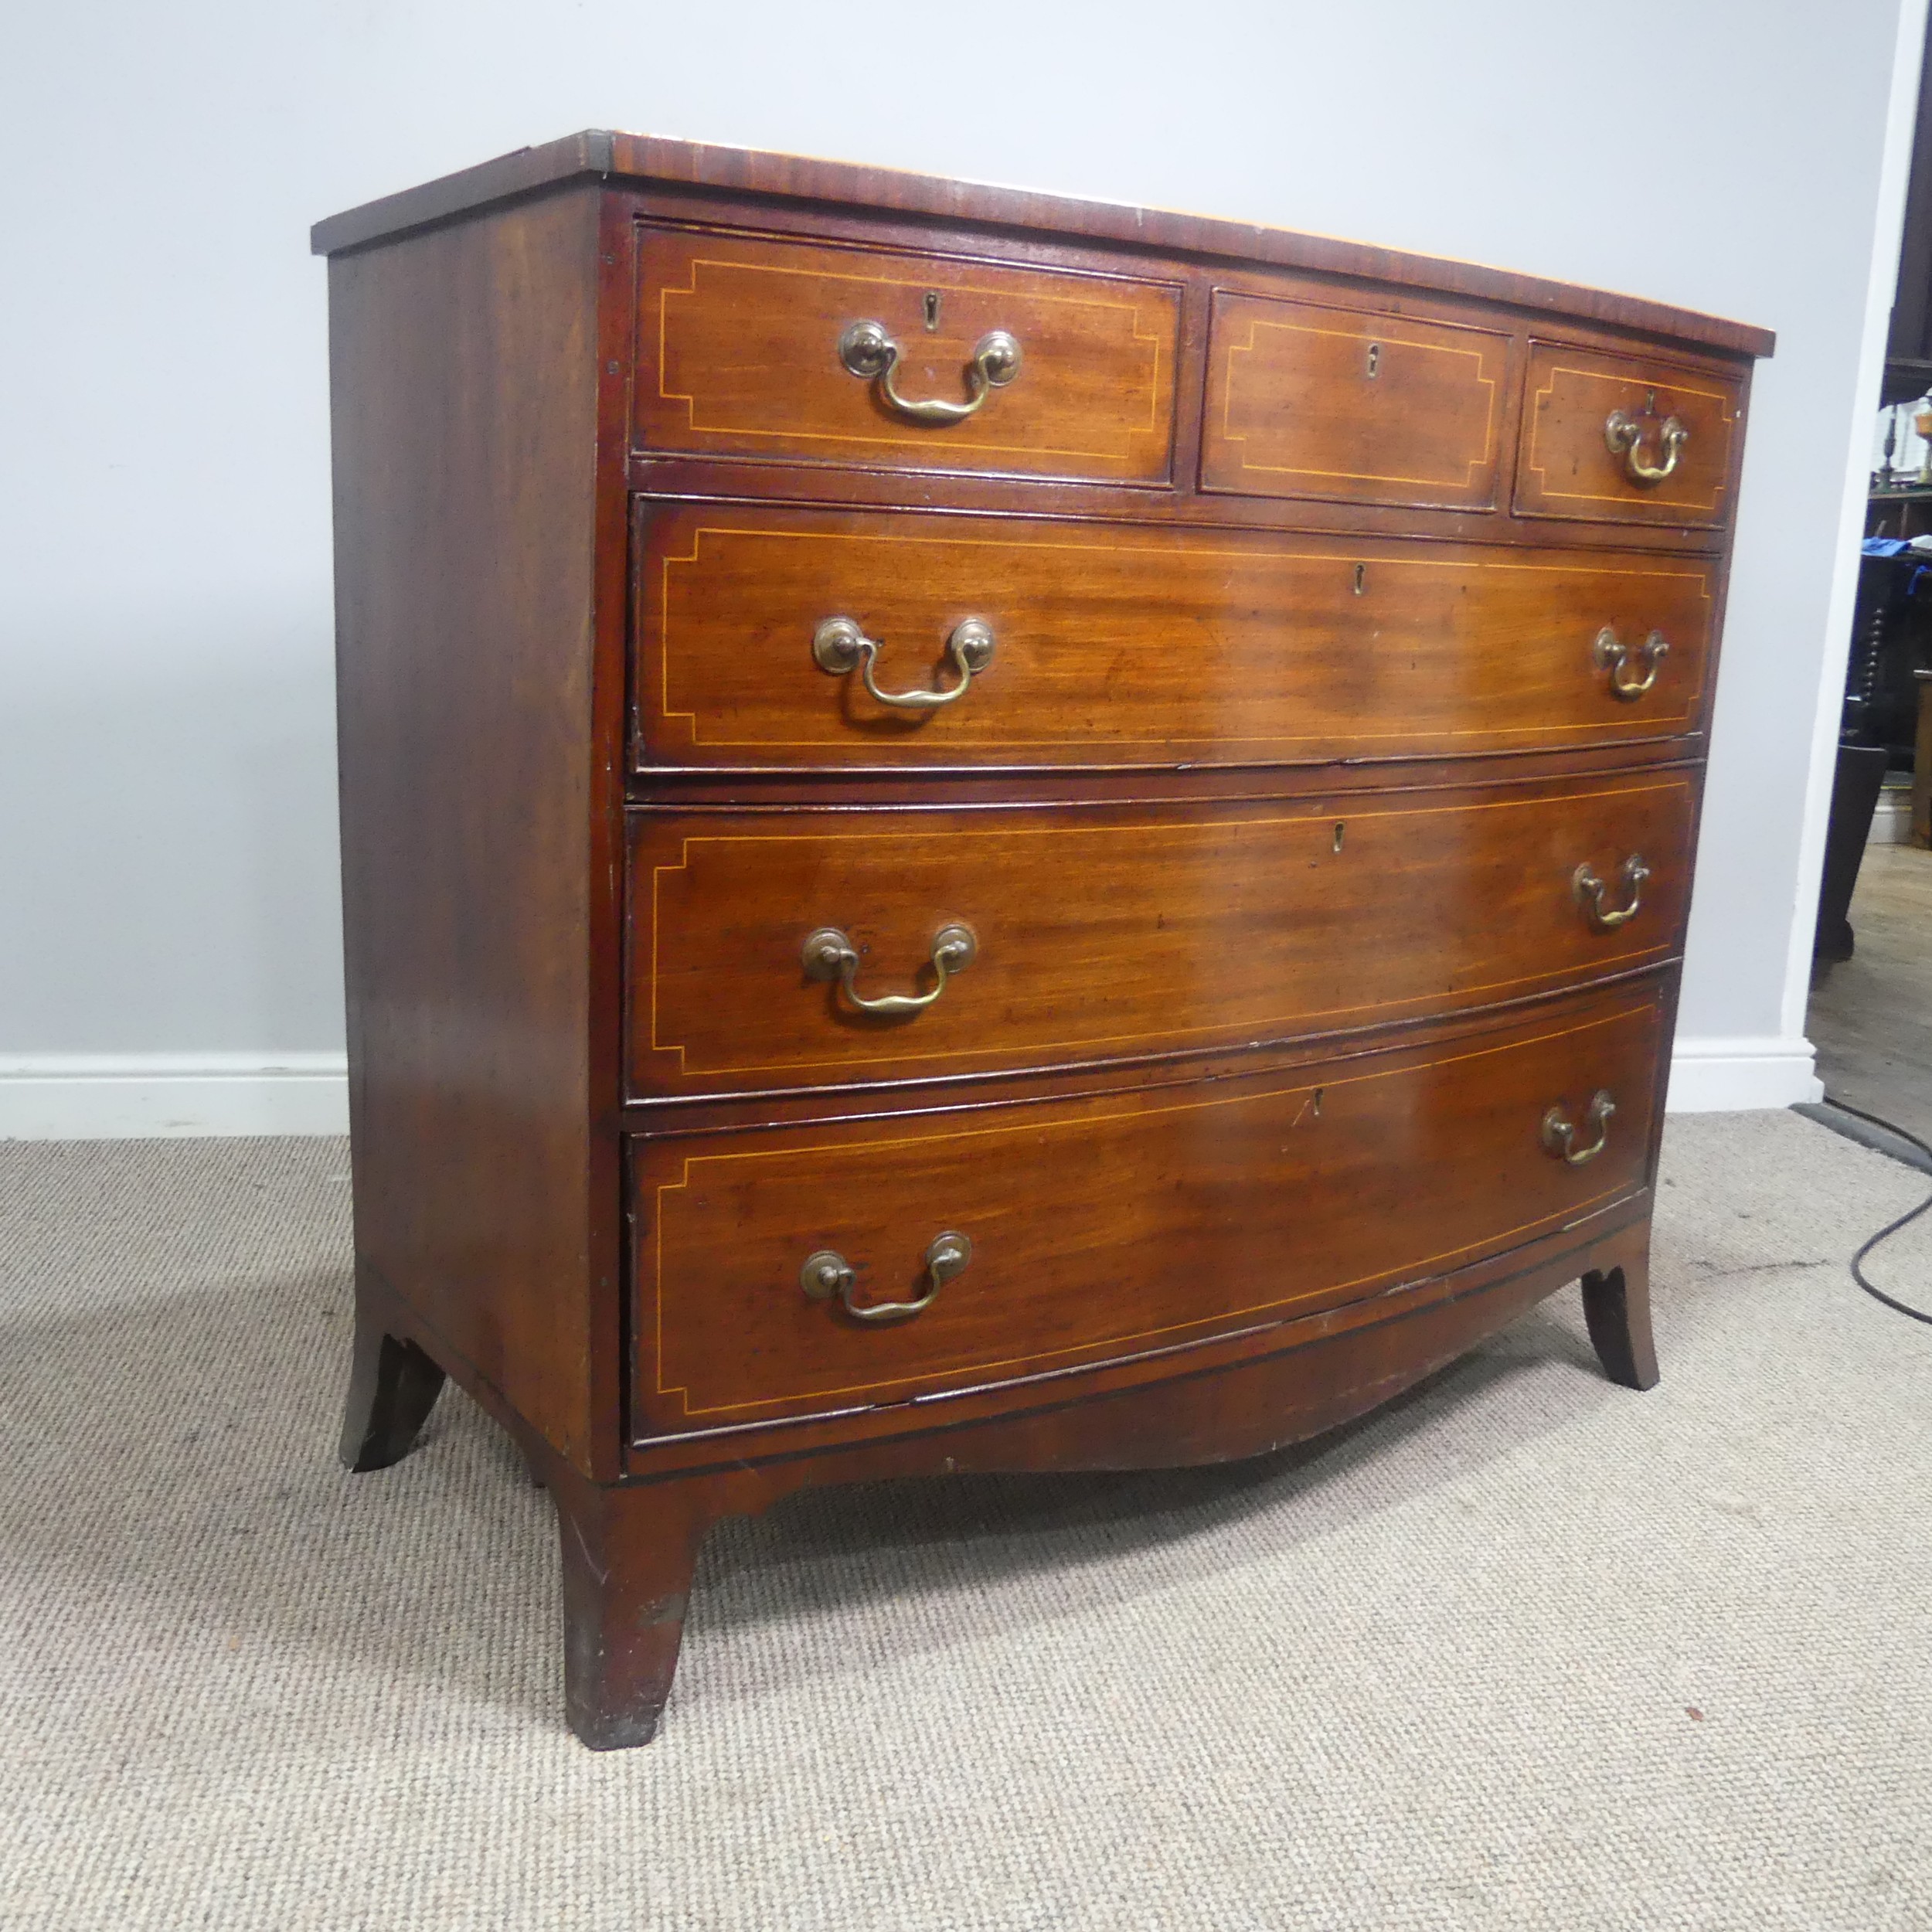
[{"x": 646, "y": 158}]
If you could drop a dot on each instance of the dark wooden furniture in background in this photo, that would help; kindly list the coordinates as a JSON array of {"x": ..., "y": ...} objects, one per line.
[
  {"x": 1922, "y": 769},
  {"x": 1889, "y": 625},
  {"x": 1908, "y": 345},
  {"x": 1251, "y": 987},
  {"x": 1855, "y": 784},
  {"x": 1891, "y": 638}
]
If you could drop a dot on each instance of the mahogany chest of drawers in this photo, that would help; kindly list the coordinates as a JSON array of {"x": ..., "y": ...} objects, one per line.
[{"x": 982, "y": 832}]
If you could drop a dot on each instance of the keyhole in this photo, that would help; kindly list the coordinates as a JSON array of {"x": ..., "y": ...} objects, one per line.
[
  {"x": 1340, "y": 828},
  {"x": 932, "y": 309},
  {"x": 1375, "y": 357},
  {"x": 1361, "y": 578}
]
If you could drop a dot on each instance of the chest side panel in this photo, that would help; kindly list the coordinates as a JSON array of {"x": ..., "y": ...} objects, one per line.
[{"x": 463, "y": 377}]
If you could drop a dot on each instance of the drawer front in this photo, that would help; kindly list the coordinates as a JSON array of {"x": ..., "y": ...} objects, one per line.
[
  {"x": 1099, "y": 933},
  {"x": 1140, "y": 646},
  {"x": 1351, "y": 405},
  {"x": 1600, "y": 442},
  {"x": 1109, "y": 1226},
  {"x": 744, "y": 350}
]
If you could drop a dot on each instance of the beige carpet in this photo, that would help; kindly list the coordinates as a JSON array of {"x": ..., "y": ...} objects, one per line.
[{"x": 1527, "y": 1651}]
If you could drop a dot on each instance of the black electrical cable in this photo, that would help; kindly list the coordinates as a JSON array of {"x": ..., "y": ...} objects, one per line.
[{"x": 1891, "y": 1227}]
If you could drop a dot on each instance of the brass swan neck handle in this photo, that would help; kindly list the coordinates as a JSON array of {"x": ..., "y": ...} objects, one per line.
[
  {"x": 839, "y": 645},
  {"x": 1624, "y": 434},
  {"x": 1612, "y": 655},
  {"x": 1559, "y": 1133},
  {"x": 871, "y": 354},
  {"x": 828, "y": 1275},
  {"x": 1589, "y": 890},
  {"x": 830, "y": 954}
]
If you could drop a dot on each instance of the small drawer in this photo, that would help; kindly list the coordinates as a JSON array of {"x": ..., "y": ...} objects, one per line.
[
  {"x": 1351, "y": 405},
  {"x": 1066, "y": 1233},
  {"x": 1006, "y": 939},
  {"x": 817, "y": 353},
  {"x": 1627, "y": 439},
  {"x": 1139, "y": 646}
]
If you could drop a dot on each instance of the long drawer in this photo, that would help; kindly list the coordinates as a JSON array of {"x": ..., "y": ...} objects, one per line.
[
  {"x": 1051, "y": 1235},
  {"x": 761, "y": 943},
  {"x": 749, "y": 346},
  {"x": 1139, "y": 646}
]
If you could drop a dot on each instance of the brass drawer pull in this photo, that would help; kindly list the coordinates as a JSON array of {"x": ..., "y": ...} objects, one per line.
[
  {"x": 1589, "y": 891},
  {"x": 1624, "y": 434},
  {"x": 871, "y": 354},
  {"x": 828, "y": 1274},
  {"x": 1613, "y": 657},
  {"x": 839, "y": 644},
  {"x": 1560, "y": 1135},
  {"x": 829, "y": 954}
]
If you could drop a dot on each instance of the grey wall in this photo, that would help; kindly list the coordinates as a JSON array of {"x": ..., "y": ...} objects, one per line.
[{"x": 166, "y": 882}]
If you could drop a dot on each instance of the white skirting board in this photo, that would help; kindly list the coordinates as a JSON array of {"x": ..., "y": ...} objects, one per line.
[
  {"x": 120, "y": 1096},
  {"x": 149, "y": 1096},
  {"x": 1734, "y": 1075},
  {"x": 1892, "y": 820}
]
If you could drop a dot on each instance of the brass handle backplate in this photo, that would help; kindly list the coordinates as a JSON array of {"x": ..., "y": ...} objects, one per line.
[
  {"x": 1615, "y": 657},
  {"x": 1624, "y": 434},
  {"x": 1589, "y": 890},
  {"x": 828, "y": 1275},
  {"x": 839, "y": 645},
  {"x": 829, "y": 954},
  {"x": 869, "y": 353},
  {"x": 1560, "y": 1135}
]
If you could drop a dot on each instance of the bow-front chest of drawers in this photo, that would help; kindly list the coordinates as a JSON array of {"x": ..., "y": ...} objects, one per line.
[{"x": 982, "y": 832}]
